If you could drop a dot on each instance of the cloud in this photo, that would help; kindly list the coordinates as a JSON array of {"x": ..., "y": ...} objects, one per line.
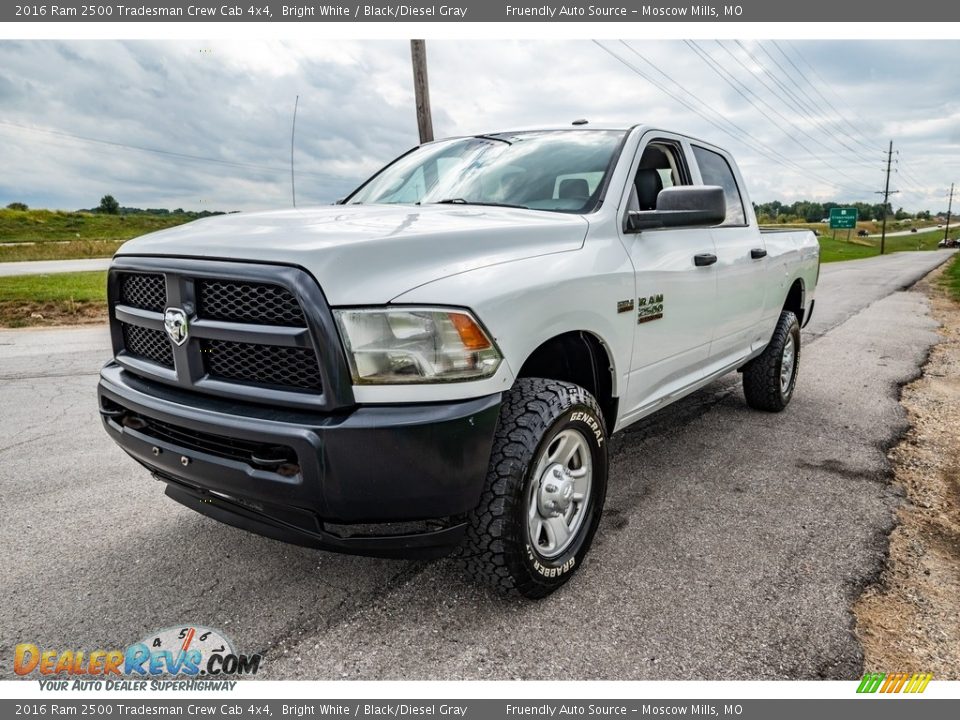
[{"x": 230, "y": 103}]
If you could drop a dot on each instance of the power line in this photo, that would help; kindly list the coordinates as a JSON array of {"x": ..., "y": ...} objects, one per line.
[
  {"x": 739, "y": 134},
  {"x": 785, "y": 94},
  {"x": 742, "y": 89},
  {"x": 168, "y": 153},
  {"x": 827, "y": 85},
  {"x": 830, "y": 105},
  {"x": 809, "y": 99}
]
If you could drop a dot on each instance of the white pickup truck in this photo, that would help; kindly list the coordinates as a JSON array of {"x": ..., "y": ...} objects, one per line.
[{"x": 436, "y": 362}]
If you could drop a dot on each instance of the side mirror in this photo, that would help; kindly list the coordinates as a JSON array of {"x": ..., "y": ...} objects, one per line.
[{"x": 682, "y": 206}]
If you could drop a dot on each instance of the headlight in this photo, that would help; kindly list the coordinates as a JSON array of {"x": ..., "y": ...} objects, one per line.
[{"x": 416, "y": 345}]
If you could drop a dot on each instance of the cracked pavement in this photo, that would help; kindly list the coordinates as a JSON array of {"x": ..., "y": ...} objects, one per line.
[{"x": 732, "y": 545}]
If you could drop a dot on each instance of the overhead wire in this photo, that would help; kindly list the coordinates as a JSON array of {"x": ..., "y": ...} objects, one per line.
[
  {"x": 783, "y": 93},
  {"x": 753, "y": 99},
  {"x": 168, "y": 153},
  {"x": 855, "y": 135},
  {"x": 738, "y": 133}
]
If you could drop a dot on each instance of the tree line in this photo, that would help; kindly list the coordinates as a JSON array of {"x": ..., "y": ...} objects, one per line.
[
  {"x": 110, "y": 206},
  {"x": 809, "y": 211}
]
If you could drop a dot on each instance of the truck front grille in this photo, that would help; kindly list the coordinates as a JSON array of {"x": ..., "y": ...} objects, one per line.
[
  {"x": 248, "y": 334},
  {"x": 257, "y": 303},
  {"x": 268, "y": 364},
  {"x": 148, "y": 344},
  {"x": 144, "y": 291}
]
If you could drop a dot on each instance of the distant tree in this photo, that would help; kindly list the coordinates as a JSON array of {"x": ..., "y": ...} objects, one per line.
[
  {"x": 17, "y": 206},
  {"x": 901, "y": 214},
  {"x": 109, "y": 205}
]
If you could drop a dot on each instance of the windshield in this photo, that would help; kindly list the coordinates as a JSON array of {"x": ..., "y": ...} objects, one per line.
[{"x": 562, "y": 171}]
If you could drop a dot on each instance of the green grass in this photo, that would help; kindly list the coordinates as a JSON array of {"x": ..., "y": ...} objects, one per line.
[
  {"x": 59, "y": 299},
  {"x": 835, "y": 250},
  {"x": 951, "y": 278},
  {"x": 53, "y": 225},
  {"x": 61, "y": 235},
  {"x": 79, "y": 287}
]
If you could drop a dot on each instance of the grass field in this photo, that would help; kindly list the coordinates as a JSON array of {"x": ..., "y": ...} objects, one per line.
[
  {"x": 62, "y": 299},
  {"x": 951, "y": 278},
  {"x": 834, "y": 250},
  {"x": 61, "y": 235}
]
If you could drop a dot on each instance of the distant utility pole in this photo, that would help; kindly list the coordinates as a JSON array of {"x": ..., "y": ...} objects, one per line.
[
  {"x": 949, "y": 208},
  {"x": 293, "y": 130},
  {"x": 421, "y": 89},
  {"x": 886, "y": 196}
]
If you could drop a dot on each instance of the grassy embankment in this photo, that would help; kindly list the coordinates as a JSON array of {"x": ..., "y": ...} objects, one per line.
[
  {"x": 63, "y": 299},
  {"x": 61, "y": 235},
  {"x": 66, "y": 298},
  {"x": 859, "y": 247},
  {"x": 951, "y": 278}
]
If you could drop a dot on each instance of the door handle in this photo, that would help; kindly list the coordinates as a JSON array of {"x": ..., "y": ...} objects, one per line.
[
  {"x": 757, "y": 253},
  {"x": 704, "y": 259}
]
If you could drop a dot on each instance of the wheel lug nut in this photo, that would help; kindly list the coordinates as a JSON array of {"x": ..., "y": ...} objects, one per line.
[
  {"x": 551, "y": 488},
  {"x": 556, "y": 472}
]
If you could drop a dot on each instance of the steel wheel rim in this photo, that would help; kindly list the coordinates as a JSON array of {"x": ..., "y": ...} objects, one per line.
[
  {"x": 559, "y": 494},
  {"x": 788, "y": 363}
]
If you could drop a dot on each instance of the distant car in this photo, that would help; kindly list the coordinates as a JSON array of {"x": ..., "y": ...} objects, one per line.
[
  {"x": 949, "y": 243},
  {"x": 913, "y": 229},
  {"x": 862, "y": 233}
]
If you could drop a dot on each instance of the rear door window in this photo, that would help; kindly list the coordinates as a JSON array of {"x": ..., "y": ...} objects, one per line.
[{"x": 715, "y": 170}]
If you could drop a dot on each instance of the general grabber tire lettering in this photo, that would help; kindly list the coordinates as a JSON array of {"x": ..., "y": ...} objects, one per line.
[
  {"x": 544, "y": 491},
  {"x": 769, "y": 379}
]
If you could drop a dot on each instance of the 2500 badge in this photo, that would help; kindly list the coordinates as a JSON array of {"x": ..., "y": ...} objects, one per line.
[{"x": 649, "y": 308}]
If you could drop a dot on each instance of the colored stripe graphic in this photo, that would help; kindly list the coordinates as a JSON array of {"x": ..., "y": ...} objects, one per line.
[{"x": 888, "y": 683}]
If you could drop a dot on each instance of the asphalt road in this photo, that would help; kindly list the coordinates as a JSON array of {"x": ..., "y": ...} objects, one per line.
[
  {"x": 52, "y": 267},
  {"x": 732, "y": 546}
]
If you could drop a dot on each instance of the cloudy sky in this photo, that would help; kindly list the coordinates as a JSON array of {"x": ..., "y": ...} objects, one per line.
[{"x": 207, "y": 125}]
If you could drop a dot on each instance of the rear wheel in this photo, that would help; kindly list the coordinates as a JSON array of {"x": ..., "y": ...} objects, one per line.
[
  {"x": 544, "y": 491},
  {"x": 769, "y": 379}
]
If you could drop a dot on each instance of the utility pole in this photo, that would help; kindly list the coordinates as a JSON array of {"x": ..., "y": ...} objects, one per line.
[
  {"x": 949, "y": 208},
  {"x": 421, "y": 89},
  {"x": 293, "y": 132},
  {"x": 886, "y": 196}
]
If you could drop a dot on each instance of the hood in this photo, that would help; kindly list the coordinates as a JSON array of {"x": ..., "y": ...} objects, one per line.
[{"x": 370, "y": 254}]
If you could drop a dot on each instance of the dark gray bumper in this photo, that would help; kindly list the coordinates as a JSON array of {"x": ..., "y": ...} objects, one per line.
[{"x": 375, "y": 465}]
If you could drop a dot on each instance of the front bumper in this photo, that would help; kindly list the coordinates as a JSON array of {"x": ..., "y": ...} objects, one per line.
[{"x": 377, "y": 480}]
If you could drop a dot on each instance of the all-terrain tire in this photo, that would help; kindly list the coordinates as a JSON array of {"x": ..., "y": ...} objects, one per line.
[
  {"x": 764, "y": 385},
  {"x": 535, "y": 416}
]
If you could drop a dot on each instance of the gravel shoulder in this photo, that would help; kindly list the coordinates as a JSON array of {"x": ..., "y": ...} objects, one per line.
[{"x": 908, "y": 620}]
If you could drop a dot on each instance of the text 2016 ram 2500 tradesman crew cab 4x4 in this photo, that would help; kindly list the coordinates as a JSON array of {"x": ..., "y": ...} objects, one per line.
[{"x": 437, "y": 361}]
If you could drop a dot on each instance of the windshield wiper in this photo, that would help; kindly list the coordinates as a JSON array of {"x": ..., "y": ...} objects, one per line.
[
  {"x": 494, "y": 138},
  {"x": 462, "y": 201}
]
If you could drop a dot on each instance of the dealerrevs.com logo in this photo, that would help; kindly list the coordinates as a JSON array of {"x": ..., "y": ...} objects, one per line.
[{"x": 191, "y": 652}]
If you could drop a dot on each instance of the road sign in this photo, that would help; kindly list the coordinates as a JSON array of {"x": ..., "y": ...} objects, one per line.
[{"x": 843, "y": 218}]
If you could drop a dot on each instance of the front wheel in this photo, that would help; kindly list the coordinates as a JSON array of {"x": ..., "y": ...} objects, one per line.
[
  {"x": 769, "y": 379},
  {"x": 544, "y": 491}
]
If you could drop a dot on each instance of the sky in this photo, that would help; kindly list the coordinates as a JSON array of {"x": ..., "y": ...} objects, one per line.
[{"x": 207, "y": 125}]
